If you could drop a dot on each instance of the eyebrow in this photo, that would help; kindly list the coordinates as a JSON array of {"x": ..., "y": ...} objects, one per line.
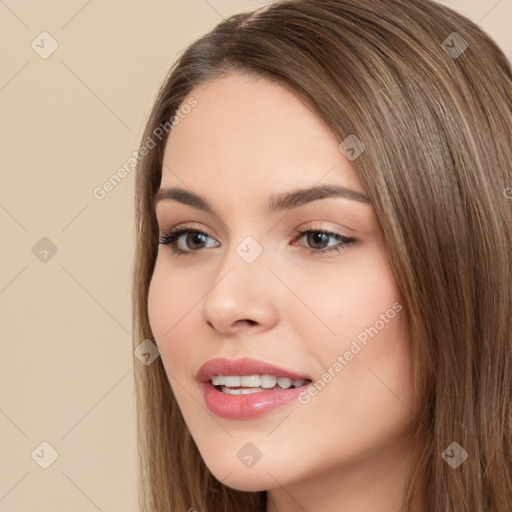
[{"x": 277, "y": 203}]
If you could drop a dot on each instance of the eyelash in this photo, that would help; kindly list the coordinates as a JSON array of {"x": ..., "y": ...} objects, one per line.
[{"x": 170, "y": 238}]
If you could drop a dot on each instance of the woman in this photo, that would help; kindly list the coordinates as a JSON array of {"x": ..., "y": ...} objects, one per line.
[{"x": 323, "y": 241}]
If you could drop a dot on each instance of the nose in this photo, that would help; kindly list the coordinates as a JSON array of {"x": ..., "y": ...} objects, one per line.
[{"x": 242, "y": 297}]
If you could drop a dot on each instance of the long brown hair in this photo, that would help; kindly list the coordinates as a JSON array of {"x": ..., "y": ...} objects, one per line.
[{"x": 430, "y": 96}]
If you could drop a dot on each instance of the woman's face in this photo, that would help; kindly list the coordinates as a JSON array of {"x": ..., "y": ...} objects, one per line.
[{"x": 251, "y": 291}]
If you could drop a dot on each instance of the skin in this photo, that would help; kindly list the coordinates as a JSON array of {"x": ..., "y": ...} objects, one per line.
[{"x": 347, "y": 449}]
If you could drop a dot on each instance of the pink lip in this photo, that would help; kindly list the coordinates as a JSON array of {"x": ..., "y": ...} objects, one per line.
[
  {"x": 245, "y": 406},
  {"x": 243, "y": 366}
]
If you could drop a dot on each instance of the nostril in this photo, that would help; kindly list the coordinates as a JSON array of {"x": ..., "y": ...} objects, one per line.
[
  {"x": 250, "y": 322},
  {"x": 238, "y": 322}
]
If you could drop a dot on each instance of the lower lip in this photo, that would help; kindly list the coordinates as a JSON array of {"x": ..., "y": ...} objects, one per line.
[{"x": 247, "y": 406}]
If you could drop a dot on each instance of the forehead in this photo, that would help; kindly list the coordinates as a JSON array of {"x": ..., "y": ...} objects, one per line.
[{"x": 253, "y": 132}]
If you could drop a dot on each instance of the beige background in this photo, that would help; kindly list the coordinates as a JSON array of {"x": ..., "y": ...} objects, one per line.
[{"x": 68, "y": 122}]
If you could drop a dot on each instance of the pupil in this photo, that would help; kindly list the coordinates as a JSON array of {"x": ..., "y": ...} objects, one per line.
[
  {"x": 316, "y": 238},
  {"x": 195, "y": 237}
]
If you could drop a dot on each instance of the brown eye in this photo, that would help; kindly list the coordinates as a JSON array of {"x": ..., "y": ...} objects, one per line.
[
  {"x": 192, "y": 239},
  {"x": 318, "y": 240}
]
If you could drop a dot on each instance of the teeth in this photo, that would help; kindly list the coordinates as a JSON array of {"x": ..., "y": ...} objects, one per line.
[
  {"x": 284, "y": 382},
  {"x": 217, "y": 380},
  {"x": 254, "y": 382},
  {"x": 267, "y": 381},
  {"x": 233, "y": 381},
  {"x": 250, "y": 381},
  {"x": 240, "y": 391}
]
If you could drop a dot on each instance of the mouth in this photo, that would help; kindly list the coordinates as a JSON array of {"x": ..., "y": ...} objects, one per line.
[{"x": 246, "y": 388}]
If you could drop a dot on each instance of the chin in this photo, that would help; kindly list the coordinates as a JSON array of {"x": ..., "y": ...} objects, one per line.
[
  {"x": 247, "y": 480},
  {"x": 241, "y": 478}
]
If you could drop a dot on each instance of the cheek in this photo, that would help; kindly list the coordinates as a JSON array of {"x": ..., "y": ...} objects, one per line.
[
  {"x": 169, "y": 304},
  {"x": 357, "y": 300},
  {"x": 160, "y": 302},
  {"x": 170, "y": 297},
  {"x": 361, "y": 350},
  {"x": 369, "y": 357}
]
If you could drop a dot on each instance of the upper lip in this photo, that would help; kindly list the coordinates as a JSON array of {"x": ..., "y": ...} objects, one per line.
[{"x": 243, "y": 366}]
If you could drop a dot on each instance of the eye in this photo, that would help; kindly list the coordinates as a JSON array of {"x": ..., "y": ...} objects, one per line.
[
  {"x": 193, "y": 238},
  {"x": 318, "y": 240},
  {"x": 186, "y": 241}
]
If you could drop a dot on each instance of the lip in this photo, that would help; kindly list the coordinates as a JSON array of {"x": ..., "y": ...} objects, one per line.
[
  {"x": 251, "y": 405},
  {"x": 243, "y": 366}
]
